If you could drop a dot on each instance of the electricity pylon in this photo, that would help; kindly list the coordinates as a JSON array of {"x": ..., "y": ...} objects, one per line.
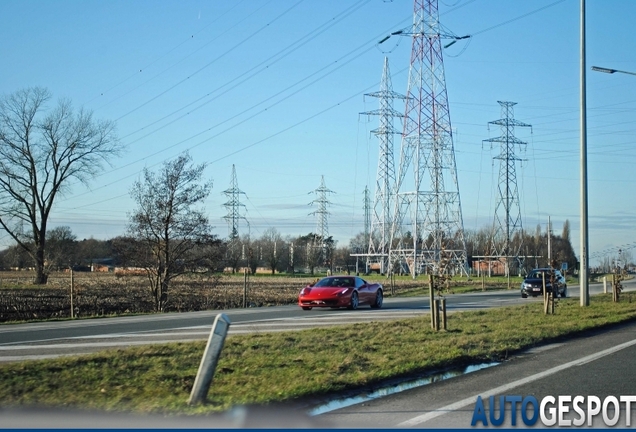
[
  {"x": 233, "y": 206},
  {"x": 367, "y": 226},
  {"x": 379, "y": 236},
  {"x": 322, "y": 225},
  {"x": 507, "y": 220},
  {"x": 427, "y": 232},
  {"x": 367, "y": 214}
]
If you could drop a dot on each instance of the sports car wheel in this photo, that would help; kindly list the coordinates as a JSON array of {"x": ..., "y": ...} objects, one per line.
[
  {"x": 354, "y": 301},
  {"x": 378, "y": 300},
  {"x": 306, "y": 307}
]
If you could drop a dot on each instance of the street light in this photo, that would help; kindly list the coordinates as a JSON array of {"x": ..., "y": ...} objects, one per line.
[{"x": 611, "y": 71}]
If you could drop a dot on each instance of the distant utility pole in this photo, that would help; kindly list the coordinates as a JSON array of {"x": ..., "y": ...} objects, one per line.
[
  {"x": 507, "y": 220},
  {"x": 233, "y": 206},
  {"x": 322, "y": 225},
  {"x": 367, "y": 214},
  {"x": 378, "y": 250},
  {"x": 549, "y": 242},
  {"x": 367, "y": 224}
]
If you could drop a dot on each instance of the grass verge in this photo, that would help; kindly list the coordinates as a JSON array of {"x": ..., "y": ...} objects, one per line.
[{"x": 276, "y": 367}]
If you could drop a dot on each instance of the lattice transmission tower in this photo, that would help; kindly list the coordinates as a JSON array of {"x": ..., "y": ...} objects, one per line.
[
  {"x": 322, "y": 224},
  {"x": 380, "y": 233},
  {"x": 507, "y": 220},
  {"x": 366, "y": 206},
  {"x": 233, "y": 206},
  {"x": 427, "y": 233}
]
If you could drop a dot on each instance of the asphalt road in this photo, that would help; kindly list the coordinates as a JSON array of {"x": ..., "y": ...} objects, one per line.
[
  {"x": 599, "y": 364},
  {"x": 57, "y": 338}
]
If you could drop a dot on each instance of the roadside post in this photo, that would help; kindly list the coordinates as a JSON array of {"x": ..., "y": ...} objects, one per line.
[
  {"x": 545, "y": 294},
  {"x": 616, "y": 287},
  {"x": 431, "y": 300},
  {"x": 444, "y": 314},
  {"x": 604, "y": 284},
  {"x": 210, "y": 359},
  {"x": 436, "y": 309},
  {"x": 552, "y": 297},
  {"x": 548, "y": 297},
  {"x": 72, "y": 286},
  {"x": 245, "y": 287},
  {"x": 392, "y": 283}
]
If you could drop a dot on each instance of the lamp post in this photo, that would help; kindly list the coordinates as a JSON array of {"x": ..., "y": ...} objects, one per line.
[
  {"x": 583, "y": 270},
  {"x": 611, "y": 71}
]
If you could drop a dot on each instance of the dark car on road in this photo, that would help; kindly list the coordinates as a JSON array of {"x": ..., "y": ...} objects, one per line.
[{"x": 532, "y": 285}]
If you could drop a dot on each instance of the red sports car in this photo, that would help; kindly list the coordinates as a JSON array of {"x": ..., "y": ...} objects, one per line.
[{"x": 341, "y": 291}]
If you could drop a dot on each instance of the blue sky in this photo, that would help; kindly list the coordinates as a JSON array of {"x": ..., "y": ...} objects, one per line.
[{"x": 275, "y": 87}]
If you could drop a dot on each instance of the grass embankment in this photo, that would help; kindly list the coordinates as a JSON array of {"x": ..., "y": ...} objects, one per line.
[{"x": 266, "y": 368}]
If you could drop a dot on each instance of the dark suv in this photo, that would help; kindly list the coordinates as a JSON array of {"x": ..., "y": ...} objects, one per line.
[{"x": 532, "y": 285}]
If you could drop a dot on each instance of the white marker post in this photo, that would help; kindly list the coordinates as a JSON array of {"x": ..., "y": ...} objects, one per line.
[{"x": 210, "y": 359}]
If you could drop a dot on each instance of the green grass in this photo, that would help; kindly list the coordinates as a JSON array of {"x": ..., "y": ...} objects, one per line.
[{"x": 292, "y": 366}]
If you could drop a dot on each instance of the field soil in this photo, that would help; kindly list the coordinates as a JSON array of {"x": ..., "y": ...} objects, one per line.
[{"x": 107, "y": 294}]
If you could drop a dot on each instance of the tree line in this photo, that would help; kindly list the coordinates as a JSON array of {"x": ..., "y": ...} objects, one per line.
[{"x": 532, "y": 248}]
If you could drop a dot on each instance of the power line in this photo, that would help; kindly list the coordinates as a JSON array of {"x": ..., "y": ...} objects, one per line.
[
  {"x": 188, "y": 39},
  {"x": 210, "y": 63},
  {"x": 226, "y": 130},
  {"x": 247, "y": 110}
]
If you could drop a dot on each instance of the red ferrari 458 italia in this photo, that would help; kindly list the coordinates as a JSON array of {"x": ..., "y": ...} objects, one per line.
[{"x": 341, "y": 291}]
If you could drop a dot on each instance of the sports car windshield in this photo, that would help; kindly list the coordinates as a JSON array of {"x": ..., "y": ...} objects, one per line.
[{"x": 335, "y": 282}]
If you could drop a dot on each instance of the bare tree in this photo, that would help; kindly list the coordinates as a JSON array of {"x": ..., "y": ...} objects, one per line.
[
  {"x": 273, "y": 246},
  {"x": 253, "y": 253},
  {"x": 343, "y": 258},
  {"x": 41, "y": 150},
  {"x": 61, "y": 250},
  {"x": 169, "y": 231},
  {"x": 566, "y": 230},
  {"x": 312, "y": 255},
  {"x": 88, "y": 250},
  {"x": 15, "y": 257}
]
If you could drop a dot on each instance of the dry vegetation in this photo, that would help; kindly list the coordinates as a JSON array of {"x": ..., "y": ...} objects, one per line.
[{"x": 103, "y": 294}]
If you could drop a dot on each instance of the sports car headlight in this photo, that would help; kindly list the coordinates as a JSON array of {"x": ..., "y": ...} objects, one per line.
[
  {"x": 304, "y": 291},
  {"x": 344, "y": 291}
]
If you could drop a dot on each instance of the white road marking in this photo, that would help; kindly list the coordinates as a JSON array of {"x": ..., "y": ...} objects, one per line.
[
  {"x": 506, "y": 387},
  {"x": 32, "y": 357},
  {"x": 543, "y": 348},
  {"x": 74, "y": 345},
  {"x": 10, "y": 351}
]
